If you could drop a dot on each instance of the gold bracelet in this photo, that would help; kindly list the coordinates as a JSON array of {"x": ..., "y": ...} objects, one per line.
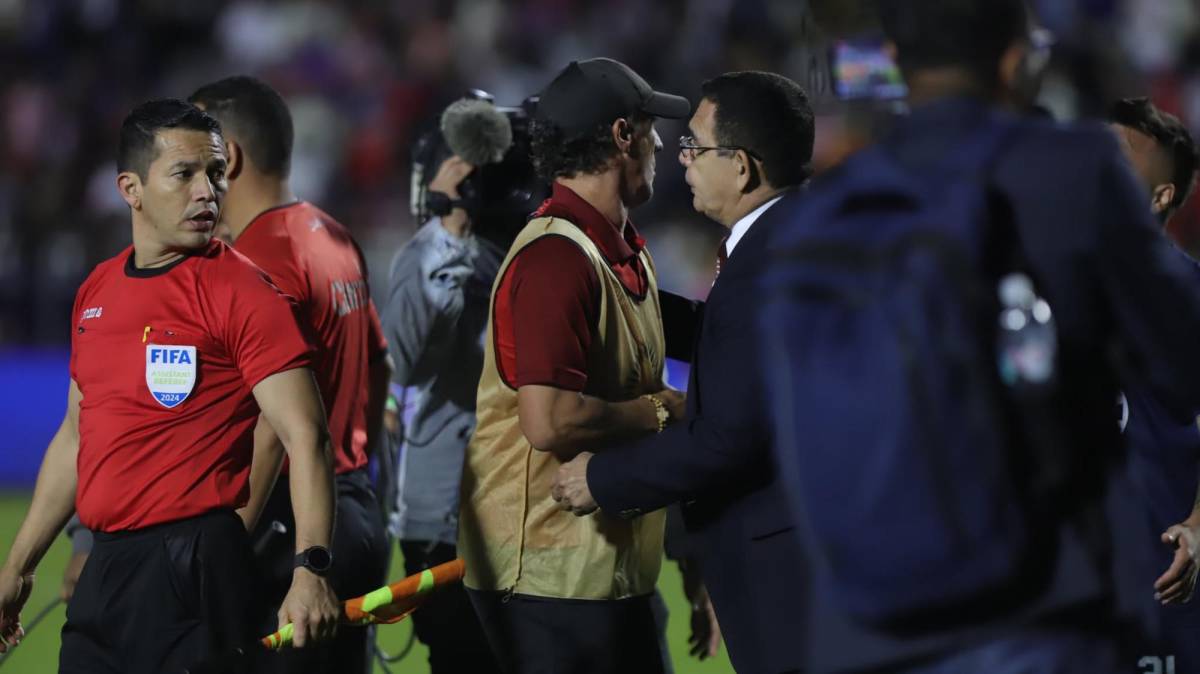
[{"x": 660, "y": 410}]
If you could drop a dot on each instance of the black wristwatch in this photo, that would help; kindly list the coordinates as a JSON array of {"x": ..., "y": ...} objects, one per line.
[{"x": 316, "y": 559}]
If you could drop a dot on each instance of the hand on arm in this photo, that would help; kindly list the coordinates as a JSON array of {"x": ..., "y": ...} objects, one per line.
[
  {"x": 53, "y": 503},
  {"x": 291, "y": 404},
  {"x": 570, "y": 487}
]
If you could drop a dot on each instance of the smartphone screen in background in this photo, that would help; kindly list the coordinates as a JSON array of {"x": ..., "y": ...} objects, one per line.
[{"x": 863, "y": 70}]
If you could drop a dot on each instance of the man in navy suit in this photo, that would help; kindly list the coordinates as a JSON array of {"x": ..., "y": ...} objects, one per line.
[{"x": 747, "y": 156}]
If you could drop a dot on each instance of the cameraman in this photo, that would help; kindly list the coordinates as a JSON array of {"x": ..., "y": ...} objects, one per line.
[{"x": 434, "y": 318}]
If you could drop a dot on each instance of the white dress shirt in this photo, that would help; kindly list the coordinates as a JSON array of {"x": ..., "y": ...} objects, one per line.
[{"x": 742, "y": 226}]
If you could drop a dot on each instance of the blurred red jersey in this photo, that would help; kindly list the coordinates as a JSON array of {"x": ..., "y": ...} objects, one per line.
[
  {"x": 313, "y": 258},
  {"x": 166, "y": 360}
]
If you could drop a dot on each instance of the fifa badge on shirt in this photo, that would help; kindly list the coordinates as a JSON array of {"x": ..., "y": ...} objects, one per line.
[{"x": 170, "y": 373}]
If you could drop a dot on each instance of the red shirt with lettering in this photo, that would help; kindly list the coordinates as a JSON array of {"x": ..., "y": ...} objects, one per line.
[
  {"x": 547, "y": 305},
  {"x": 313, "y": 258},
  {"x": 166, "y": 360}
]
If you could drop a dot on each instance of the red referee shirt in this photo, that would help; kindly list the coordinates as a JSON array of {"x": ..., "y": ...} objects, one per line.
[
  {"x": 547, "y": 305},
  {"x": 166, "y": 360},
  {"x": 312, "y": 258}
]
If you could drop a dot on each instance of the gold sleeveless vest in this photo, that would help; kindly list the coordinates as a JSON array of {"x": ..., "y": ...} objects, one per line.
[{"x": 511, "y": 533}]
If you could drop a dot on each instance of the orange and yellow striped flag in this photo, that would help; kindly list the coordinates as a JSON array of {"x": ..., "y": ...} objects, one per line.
[{"x": 389, "y": 604}]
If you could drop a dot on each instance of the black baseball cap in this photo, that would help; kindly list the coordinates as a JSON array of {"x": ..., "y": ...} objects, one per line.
[{"x": 600, "y": 90}]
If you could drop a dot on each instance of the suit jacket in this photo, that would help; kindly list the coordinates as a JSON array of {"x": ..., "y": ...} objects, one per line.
[{"x": 717, "y": 461}]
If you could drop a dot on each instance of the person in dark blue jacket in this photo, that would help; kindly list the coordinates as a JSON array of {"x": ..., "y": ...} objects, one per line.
[
  {"x": 747, "y": 155},
  {"x": 1116, "y": 288}
]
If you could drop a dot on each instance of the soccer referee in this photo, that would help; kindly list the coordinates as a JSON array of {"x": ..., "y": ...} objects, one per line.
[{"x": 177, "y": 343}]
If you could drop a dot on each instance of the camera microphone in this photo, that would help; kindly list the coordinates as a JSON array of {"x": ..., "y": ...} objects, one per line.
[{"x": 476, "y": 131}]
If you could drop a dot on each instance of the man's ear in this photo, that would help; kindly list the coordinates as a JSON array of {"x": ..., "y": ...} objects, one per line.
[
  {"x": 235, "y": 159},
  {"x": 742, "y": 169},
  {"x": 622, "y": 134},
  {"x": 129, "y": 185},
  {"x": 1161, "y": 197},
  {"x": 748, "y": 172}
]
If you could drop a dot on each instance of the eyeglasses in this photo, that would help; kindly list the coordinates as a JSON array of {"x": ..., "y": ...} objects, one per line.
[{"x": 689, "y": 150}]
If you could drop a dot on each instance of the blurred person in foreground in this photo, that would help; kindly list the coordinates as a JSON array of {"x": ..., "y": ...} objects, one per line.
[
  {"x": 314, "y": 259},
  {"x": 179, "y": 345},
  {"x": 1164, "y": 453},
  {"x": 747, "y": 154},
  {"x": 1024, "y": 583},
  {"x": 574, "y": 361}
]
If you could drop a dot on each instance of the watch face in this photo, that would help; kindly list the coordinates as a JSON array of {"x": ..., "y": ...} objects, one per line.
[{"x": 318, "y": 559}]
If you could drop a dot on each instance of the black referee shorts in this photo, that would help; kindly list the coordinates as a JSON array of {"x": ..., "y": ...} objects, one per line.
[{"x": 163, "y": 598}]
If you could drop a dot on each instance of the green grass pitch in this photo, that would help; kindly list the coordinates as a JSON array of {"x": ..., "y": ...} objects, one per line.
[{"x": 38, "y": 654}]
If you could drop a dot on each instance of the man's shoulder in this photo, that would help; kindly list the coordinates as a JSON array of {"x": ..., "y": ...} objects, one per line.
[
  {"x": 1059, "y": 145},
  {"x": 1065, "y": 166},
  {"x": 558, "y": 224},
  {"x": 292, "y": 227},
  {"x": 784, "y": 206},
  {"x": 552, "y": 251},
  {"x": 763, "y": 234},
  {"x": 269, "y": 236},
  {"x": 113, "y": 265},
  {"x": 221, "y": 266},
  {"x": 422, "y": 242},
  {"x": 299, "y": 245},
  {"x": 102, "y": 273},
  {"x": 320, "y": 230},
  {"x": 553, "y": 263},
  {"x": 420, "y": 255}
]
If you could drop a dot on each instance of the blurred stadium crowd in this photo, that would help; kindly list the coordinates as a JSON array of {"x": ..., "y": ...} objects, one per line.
[{"x": 363, "y": 79}]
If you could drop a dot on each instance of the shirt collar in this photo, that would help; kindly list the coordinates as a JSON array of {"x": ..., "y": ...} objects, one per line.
[
  {"x": 616, "y": 245},
  {"x": 742, "y": 226}
]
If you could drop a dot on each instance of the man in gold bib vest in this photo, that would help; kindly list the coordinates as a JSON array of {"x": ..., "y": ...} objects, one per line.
[{"x": 573, "y": 362}]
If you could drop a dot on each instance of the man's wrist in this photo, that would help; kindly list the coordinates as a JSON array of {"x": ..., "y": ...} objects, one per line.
[
  {"x": 457, "y": 222},
  {"x": 661, "y": 415},
  {"x": 302, "y": 574},
  {"x": 19, "y": 563},
  {"x": 315, "y": 559},
  {"x": 15, "y": 571}
]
